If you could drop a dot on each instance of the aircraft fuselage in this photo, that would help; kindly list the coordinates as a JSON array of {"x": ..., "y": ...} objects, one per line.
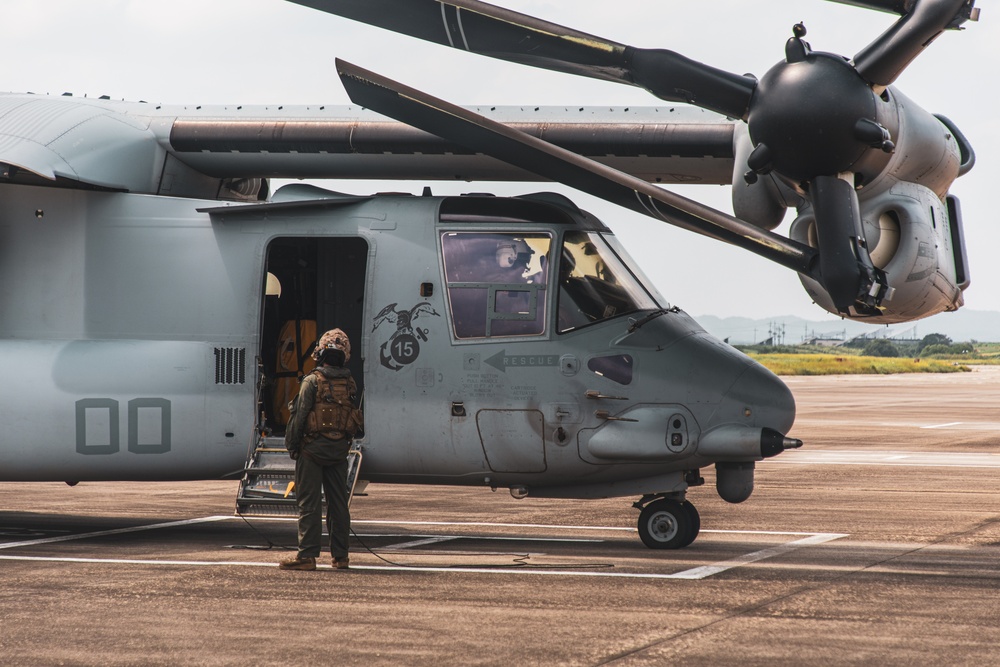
[{"x": 135, "y": 328}]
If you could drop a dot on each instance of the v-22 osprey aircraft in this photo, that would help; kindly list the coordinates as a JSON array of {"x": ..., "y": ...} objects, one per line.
[{"x": 167, "y": 301}]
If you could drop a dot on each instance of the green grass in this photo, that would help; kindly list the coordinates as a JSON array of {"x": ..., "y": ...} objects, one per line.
[
  {"x": 986, "y": 354},
  {"x": 849, "y": 364}
]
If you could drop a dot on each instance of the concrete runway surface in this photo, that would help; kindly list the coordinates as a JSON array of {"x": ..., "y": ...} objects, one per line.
[{"x": 877, "y": 543}]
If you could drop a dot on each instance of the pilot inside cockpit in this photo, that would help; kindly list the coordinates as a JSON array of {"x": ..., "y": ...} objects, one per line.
[
  {"x": 514, "y": 259},
  {"x": 496, "y": 282}
]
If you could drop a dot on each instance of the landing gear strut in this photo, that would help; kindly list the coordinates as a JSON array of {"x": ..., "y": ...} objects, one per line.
[{"x": 668, "y": 523}]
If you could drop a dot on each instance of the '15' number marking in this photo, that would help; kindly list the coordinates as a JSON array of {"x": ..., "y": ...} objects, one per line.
[{"x": 103, "y": 424}]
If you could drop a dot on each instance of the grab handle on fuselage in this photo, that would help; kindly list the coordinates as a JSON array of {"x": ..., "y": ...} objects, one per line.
[{"x": 595, "y": 394}]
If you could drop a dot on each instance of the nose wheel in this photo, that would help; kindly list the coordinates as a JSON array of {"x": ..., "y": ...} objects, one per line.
[{"x": 668, "y": 524}]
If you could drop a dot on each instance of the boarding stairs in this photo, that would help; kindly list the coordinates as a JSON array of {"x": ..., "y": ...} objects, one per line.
[{"x": 268, "y": 484}]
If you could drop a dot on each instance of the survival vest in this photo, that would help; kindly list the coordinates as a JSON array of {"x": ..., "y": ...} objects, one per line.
[{"x": 333, "y": 414}]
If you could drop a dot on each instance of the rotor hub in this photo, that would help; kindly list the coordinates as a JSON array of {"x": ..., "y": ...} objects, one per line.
[{"x": 806, "y": 112}]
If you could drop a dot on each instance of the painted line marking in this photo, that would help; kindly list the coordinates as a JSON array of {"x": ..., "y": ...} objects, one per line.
[
  {"x": 709, "y": 570},
  {"x": 890, "y": 458},
  {"x": 498, "y": 538},
  {"x": 831, "y": 424},
  {"x": 490, "y": 524},
  {"x": 486, "y": 524},
  {"x": 692, "y": 574},
  {"x": 117, "y": 531},
  {"x": 422, "y": 543},
  {"x": 137, "y": 561},
  {"x": 943, "y": 425}
]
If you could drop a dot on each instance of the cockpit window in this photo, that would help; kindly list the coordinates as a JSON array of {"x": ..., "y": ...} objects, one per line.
[
  {"x": 595, "y": 284},
  {"x": 617, "y": 368},
  {"x": 496, "y": 282}
]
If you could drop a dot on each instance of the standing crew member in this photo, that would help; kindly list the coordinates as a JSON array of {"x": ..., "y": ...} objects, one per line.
[{"x": 318, "y": 437}]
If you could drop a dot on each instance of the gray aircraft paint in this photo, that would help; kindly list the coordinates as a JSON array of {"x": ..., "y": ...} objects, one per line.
[
  {"x": 135, "y": 238},
  {"x": 127, "y": 306}
]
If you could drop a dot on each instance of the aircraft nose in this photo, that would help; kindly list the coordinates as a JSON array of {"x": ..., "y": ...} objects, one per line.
[{"x": 768, "y": 399}]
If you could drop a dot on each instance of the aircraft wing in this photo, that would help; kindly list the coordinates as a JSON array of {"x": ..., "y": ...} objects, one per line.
[
  {"x": 74, "y": 141},
  {"x": 186, "y": 151},
  {"x": 657, "y": 145}
]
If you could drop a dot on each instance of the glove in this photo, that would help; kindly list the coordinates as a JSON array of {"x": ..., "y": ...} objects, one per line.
[{"x": 293, "y": 454}]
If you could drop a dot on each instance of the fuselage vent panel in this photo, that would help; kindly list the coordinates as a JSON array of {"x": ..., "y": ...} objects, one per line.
[{"x": 230, "y": 365}]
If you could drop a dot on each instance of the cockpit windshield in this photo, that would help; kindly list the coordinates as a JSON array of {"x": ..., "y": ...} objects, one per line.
[{"x": 595, "y": 284}]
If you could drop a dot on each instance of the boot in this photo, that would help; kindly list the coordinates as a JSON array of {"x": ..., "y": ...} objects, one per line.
[{"x": 298, "y": 563}]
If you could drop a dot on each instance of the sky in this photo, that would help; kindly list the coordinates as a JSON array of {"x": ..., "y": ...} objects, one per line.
[{"x": 274, "y": 52}]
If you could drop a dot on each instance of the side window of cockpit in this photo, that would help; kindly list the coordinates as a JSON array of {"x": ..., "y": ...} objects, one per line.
[
  {"x": 595, "y": 284},
  {"x": 617, "y": 368},
  {"x": 496, "y": 282}
]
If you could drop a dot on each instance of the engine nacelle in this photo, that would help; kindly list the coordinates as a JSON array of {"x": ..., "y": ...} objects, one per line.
[
  {"x": 917, "y": 240},
  {"x": 913, "y": 228}
]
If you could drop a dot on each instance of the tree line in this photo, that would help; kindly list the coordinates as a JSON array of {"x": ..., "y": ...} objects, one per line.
[{"x": 934, "y": 344}]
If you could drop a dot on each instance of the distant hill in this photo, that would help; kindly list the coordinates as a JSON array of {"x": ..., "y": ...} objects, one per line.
[{"x": 962, "y": 325}]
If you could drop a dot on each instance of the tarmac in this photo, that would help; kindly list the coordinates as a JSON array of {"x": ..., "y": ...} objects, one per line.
[{"x": 876, "y": 543}]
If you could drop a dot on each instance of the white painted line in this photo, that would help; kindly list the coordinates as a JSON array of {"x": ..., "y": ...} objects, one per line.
[
  {"x": 117, "y": 531},
  {"x": 760, "y": 532},
  {"x": 521, "y": 538},
  {"x": 709, "y": 570},
  {"x": 137, "y": 561},
  {"x": 381, "y": 522},
  {"x": 421, "y": 543},
  {"x": 551, "y": 527},
  {"x": 915, "y": 459},
  {"x": 695, "y": 573},
  {"x": 498, "y": 538},
  {"x": 486, "y": 524},
  {"x": 943, "y": 425}
]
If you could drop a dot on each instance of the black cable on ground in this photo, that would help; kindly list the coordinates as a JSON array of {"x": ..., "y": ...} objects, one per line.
[
  {"x": 519, "y": 560},
  {"x": 256, "y": 547}
]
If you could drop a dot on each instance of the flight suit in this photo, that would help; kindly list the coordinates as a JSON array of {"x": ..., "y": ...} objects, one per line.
[{"x": 320, "y": 466}]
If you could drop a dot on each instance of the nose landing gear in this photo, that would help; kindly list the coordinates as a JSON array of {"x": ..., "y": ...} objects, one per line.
[{"x": 667, "y": 523}]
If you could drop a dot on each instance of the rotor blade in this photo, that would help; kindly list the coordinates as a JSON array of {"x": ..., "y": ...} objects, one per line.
[
  {"x": 901, "y": 7},
  {"x": 882, "y": 61},
  {"x": 501, "y": 33},
  {"x": 467, "y": 128},
  {"x": 849, "y": 276}
]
